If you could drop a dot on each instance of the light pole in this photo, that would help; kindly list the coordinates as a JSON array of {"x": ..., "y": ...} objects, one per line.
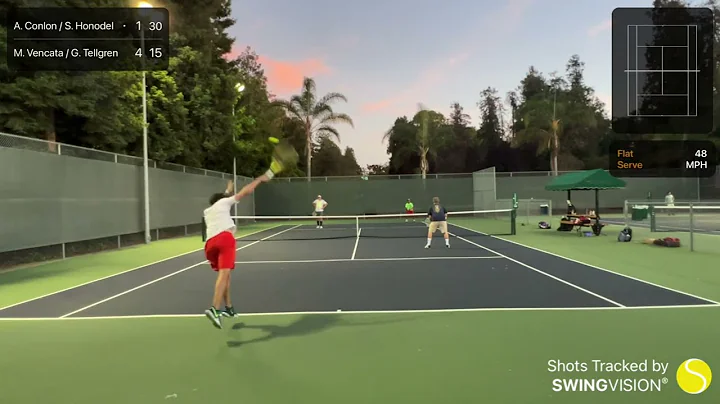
[
  {"x": 146, "y": 185},
  {"x": 239, "y": 88}
]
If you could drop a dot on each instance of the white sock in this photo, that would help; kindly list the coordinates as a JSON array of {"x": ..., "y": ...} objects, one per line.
[
  {"x": 429, "y": 240},
  {"x": 447, "y": 241}
]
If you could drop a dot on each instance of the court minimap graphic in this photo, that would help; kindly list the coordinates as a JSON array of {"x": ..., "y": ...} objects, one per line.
[{"x": 662, "y": 70}]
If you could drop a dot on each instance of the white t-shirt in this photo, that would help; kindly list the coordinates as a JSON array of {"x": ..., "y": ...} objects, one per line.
[
  {"x": 218, "y": 219},
  {"x": 319, "y": 205}
]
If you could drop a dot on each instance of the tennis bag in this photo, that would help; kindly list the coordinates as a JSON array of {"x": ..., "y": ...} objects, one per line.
[
  {"x": 544, "y": 225},
  {"x": 625, "y": 235}
]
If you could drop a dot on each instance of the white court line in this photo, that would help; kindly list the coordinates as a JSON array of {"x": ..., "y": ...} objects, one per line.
[
  {"x": 596, "y": 267},
  {"x": 541, "y": 272},
  {"x": 121, "y": 273},
  {"x": 163, "y": 277},
  {"x": 428, "y": 311},
  {"x": 366, "y": 259},
  {"x": 357, "y": 241}
]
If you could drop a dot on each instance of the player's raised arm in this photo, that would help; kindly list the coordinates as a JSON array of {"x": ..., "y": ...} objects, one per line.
[{"x": 250, "y": 188}]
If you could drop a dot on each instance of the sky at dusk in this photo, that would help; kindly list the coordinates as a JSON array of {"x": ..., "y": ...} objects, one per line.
[{"x": 388, "y": 56}]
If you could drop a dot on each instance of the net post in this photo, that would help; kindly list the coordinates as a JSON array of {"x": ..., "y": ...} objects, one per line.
[
  {"x": 513, "y": 215},
  {"x": 513, "y": 220},
  {"x": 63, "y": 251},
  {"x": 692, "y": 239}
]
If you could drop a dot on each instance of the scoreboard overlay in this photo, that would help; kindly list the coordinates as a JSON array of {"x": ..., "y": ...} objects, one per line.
[
  {"x": 663, "y": 158},
  {"x": 88, "y": 39}
]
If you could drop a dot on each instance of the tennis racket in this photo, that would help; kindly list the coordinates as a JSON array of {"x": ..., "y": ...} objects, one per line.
[{"x": 284, "y": 156}]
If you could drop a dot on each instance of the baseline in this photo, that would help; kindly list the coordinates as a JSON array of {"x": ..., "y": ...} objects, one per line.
[{"x": 374, "y": 312}]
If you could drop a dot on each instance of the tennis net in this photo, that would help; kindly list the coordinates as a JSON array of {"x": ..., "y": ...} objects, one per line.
[
  {"x": 701, "y": 219},
  {"x": 465, "y": 224}
]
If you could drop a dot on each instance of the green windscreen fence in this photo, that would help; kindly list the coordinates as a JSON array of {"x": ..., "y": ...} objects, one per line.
[
  {"x": 58, "y": 200},
  {"x": 356, "y": 196}
]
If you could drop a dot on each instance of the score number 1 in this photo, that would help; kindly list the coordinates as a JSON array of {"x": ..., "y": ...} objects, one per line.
[{"x": 152, "y": 26}]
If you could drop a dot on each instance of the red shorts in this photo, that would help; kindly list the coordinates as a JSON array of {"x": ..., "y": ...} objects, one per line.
[
  {"x": 410, "y": 212},
  {"x": 220, "y": 251}
]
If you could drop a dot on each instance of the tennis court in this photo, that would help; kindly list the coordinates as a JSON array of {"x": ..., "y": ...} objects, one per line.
[{"x": 416, "y": 324}]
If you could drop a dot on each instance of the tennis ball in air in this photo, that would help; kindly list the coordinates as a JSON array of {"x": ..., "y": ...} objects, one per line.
[{"x": 274, "y": 140}]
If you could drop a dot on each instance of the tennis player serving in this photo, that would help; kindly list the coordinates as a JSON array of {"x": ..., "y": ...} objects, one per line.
[
  {"x": 438, "y": 221},
  {"x": 219, "y": 232},
  {"x": 220, "y": 246},
  {"x": 319, "y": 204}
]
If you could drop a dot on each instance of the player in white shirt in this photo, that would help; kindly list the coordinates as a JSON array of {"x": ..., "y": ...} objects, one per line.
[
  {"x": 220, "y": 247},
  {"x": 670, "y": 202},
  {"x": 319, "y": 204}
]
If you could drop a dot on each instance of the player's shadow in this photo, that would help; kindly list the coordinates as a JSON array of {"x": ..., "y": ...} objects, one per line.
[{"x": 305, "y": 325}]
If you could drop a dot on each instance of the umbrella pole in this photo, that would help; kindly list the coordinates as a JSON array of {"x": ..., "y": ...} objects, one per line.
[{"x": 597, "y": 213}]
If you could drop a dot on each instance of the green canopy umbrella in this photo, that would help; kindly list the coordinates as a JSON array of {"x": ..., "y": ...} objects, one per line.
[{"x": 596, "y": 180}]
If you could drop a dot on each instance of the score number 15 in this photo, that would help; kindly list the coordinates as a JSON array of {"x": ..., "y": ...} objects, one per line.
[{"x": 155, "y": 53}]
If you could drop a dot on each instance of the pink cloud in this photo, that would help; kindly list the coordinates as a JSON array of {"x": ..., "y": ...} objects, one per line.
[
  {"x": 285, "y": 77},
  {"x": 428, "y": 78},
  {"x": 595, "y": 30}
]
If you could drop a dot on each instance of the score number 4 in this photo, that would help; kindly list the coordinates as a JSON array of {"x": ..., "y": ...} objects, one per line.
[{"x": 154, "y": 53}]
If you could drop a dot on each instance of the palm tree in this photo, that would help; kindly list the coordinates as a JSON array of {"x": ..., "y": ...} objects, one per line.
[
  {"x": 426, "y": 139},
  {"x": 316, "y": 115},
  {"x": 544, "y": 123}
]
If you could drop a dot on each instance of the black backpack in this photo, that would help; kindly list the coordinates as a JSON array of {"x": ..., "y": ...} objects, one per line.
[{"x": 625, "y": 235}]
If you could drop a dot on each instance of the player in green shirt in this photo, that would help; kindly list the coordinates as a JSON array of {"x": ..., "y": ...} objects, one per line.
[{"x": 409, "y": 208}]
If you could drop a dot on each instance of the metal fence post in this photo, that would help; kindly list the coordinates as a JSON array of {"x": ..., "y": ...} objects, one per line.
[{"x": 692, "y": 238}]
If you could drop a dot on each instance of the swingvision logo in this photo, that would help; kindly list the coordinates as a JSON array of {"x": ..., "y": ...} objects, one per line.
[{"x": 694, "y": 376}]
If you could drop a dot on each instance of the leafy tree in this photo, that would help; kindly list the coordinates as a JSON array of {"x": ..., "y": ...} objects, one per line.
[
  {"x": 316, "y": 114},
  {"x": 350, "y": 165},
  {"x": 457, "y": 139},
  {"x": 329, "y": 160},
  {"x": 489, "y": 146},
  {"x": 376, "y": 169}
]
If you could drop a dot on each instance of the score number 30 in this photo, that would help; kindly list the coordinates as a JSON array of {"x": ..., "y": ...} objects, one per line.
[{"x": 154, "y": 53}]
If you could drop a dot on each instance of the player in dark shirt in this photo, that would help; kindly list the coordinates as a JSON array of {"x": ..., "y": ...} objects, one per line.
[{"x": 438, "y": 221}]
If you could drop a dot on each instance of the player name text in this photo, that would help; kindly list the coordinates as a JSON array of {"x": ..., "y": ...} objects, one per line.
[
  {"x": 628, "y": 154},
  {"x": 64, "y": 26},
  {"x": 66, "y": 53}
]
